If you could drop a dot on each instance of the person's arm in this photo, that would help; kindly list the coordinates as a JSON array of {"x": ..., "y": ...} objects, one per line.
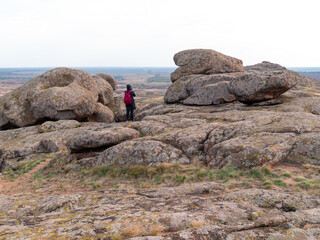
[{"x": 133, "y": 94}]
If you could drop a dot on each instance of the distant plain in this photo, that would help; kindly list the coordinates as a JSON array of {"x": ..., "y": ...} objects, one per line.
[{"x": 152, "y": 80}]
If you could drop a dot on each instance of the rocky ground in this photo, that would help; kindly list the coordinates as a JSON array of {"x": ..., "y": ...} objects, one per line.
[
  {"x": 246, "y": 169},
  {"x": 75, "y": 195}
]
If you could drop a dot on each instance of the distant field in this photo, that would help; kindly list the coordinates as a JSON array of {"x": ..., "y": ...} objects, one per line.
[
  {"x": 310, "y": 72},
  {"x": 312, "y": 75},
  {"x": 155, "y": 78}
]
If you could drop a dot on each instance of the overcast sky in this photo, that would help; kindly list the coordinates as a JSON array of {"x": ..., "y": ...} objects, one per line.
[{"x": 50, "y": 33}]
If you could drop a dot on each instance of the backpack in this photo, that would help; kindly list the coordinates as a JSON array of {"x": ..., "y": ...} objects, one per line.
[{"x": 127, "y": 97}]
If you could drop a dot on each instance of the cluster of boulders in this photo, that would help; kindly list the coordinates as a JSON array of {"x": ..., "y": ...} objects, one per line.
[
  {"x": 62, "y": 93},
  {"x": 207, "y": 77}
]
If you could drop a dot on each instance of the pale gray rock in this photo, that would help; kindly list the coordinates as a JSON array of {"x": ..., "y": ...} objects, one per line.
[
  {"x": 250, "y": 151},
  {"x": 51, "y": 126},
  {"x": 101, "y": 114},
  {"x": 190, "y": 85},
  {"x": 306, "y": 149},
  {"x": 147, "y": 128},
  {"x": 142, "y": 152},
  {"x": 204, "y": 61},
  {"x": 315, "y": 110},
  {"x": 111, "y": 80},
  {"x": 257, "y": 87},
  {"x": 91, "y": 139},
  {"x": 275, "y": 199},
  {"x": 105, "y": 90},
  {"x": 118, "y": 107},
  {"x": 61, "y": 93},
  {"x": 212, "y": 94},
  {"x": 264, "y": 67},
  {"x": 190, "y": 140}
]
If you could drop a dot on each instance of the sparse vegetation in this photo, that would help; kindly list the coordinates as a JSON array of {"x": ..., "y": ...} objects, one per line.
[
  {"x": 22, "y": 168},
  {"x": 133, "y": 230}
]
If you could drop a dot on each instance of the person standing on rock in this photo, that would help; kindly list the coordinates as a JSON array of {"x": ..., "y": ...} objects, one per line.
[{"x": 129, "y": 101}]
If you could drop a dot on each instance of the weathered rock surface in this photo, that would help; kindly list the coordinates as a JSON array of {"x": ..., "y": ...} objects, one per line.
[
  {"x": 142, "y": 152},
  {"x": 257, "y": 87},
  {"x": 111, "y": 80},
  {"x": 265, "y": 66},
  {"x": 257, "y": 149},
  {"x": 204, "y": 61},
  {"x": 211, "y": 94},
  {"x": 58, "y": 94},
  {"x": 101, "y": 114},
  {"x": 232, "y": 133},
  {"x": 194, "y": 85},
  {"x": 176, "y": 209},
  {"x": 190, "y": 140},
  {"x": 118, "y": 107},
  {"x": 91, "y": 139},
  {"x": 50, "y": 126},
  {"x": 105, "y": 90}
]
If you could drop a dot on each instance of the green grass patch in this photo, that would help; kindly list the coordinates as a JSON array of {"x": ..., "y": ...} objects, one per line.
[
  {"x": 22, "y": 168},
  {"x": 279, "y": 182},
  {"x": 287, "y": 175}
]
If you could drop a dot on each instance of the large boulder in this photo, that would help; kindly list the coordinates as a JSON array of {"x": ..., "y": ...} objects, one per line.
[
  {"x": 265, "y": 67},
  {"x": 250, "y": 151},
  {"x": 93, "y": 139},
  {"x": 261, "y": 86},
  {"x": 204, "y": 61},
  {"x": 51, "y": 126},
  {"x": 211, "y": 94},
  {"x": 111, "y": 80},
  {"x": 101, "y": 114},
  {"x": 105, "y": 90},
  {"x": 142, "y": 152},
  {"x": 61, "y": 93},
  {"x": 118, "y": 107},
  {"x": 195, "y": 85}
]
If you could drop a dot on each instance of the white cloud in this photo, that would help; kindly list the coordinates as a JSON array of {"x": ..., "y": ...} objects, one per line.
[{"x": 149, "y": 32}]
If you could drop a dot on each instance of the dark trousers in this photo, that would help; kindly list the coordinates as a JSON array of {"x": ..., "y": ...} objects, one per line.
[{"x": 130, "y": 109}]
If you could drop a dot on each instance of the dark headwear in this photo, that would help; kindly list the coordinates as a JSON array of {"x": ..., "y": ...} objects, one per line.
[{"x": 129, "y": 87}]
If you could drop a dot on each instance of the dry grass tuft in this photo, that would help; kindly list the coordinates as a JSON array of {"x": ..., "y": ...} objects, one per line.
[
  {"x": 133, "y": 230},
  {"x": 198, "y": 223},
  {"x": 155, "y": 229},
  {"x": 116, "y": 236}
]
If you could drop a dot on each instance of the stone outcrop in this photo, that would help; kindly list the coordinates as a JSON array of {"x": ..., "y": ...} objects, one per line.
[
  {"x": 51, "y": 126},
  {"x": 118, "y": 107},
  {"x": 105, "y": 91},
  {"x": 195, "y": 82},
  {"x": 233, "y": 134},
  {"x": 265, "y": 66},
  {"x": 190, "y": 211},
  {"x": 92, "y": 139},
  {"x": 194, "y": 85},
  {"x": 101, "y": 113},
  {"x": 61, "y": 93},
  {"x": 146, "y": 153},
  {"x": 111, "y": 80},
  {"x": 257, "y": 87},
  {"x": 204, "y": 61},
  {"x": 212, "y": 94}
]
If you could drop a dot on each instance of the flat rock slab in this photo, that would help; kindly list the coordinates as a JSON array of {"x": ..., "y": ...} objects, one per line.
[
  {"x": 176, "y": 209},
  {"x": 204, "y": 61},
  {"x": 190, "y": 85},
  {"x": 141, "y": 152},
  {"x": 212, "y": 94},
  {"x": 261, "y": 86},
  {"x": 90, "y": 139}
]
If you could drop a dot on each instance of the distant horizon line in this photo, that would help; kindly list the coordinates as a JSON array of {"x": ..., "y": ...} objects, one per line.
[{"x": 126, "y": 67}]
